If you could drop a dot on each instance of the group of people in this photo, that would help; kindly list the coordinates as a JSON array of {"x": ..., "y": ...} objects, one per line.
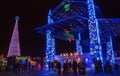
[
  {"x": 111, "y": 67},
  {"x": 107, "y": 67},
  {"x": 79, "y": 66},
  {"x": 28, "y": 64},
  {"x": 67, "y": 65},
  {"x": 70, "y": 65}
]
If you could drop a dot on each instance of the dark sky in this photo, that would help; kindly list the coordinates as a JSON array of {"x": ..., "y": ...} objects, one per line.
[{"x": 33, "y": 14}]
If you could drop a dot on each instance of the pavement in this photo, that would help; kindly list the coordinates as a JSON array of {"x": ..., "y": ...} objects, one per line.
[{"x": 52, "y": 73}]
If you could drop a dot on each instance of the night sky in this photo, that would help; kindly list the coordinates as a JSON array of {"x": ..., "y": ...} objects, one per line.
[{"x": 33, "y": 13}]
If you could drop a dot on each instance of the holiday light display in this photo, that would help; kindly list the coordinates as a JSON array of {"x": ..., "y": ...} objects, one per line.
[
  {"x": 110, "y": 52},
  {"x": 95, "y": 44},
  {"x": 74, "y": 14},
  {"x": 14, "y": 48},
  {"x": 67, "y": 7},
  {"x": 50, "y": 43},
  {"x": 78, "y": 45}
]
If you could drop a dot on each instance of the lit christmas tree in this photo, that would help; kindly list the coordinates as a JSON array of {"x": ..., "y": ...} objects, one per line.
[{"x": 14, "y": 48}]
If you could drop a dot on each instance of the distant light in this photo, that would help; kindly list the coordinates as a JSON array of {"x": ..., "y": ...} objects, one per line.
[
  {"x": 47, "y": 65},
  {"x": 92, "y": 53},
  {"x": 17, "y": 17},
  {"x": 61, "y": 55},
  {"x": 98, "y": 58},
  {"x": 66, "y": 54},
  {"x": 71, "y": 54},
  {"x": 91, "y": 48},
  {"x": 81, "y": 53},
  {"x": 96, "y": 47},
  {"x": 75, "y": 54},
  {"x": 86, "y": 59},
  {"x": 93, "y": 65}
]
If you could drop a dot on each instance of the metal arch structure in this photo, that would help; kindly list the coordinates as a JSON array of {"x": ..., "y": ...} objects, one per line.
[
  {"x": 109, "y": 29},
  {"x": 78, "y": 16},
  {"x": 73, "y": 24},
  {"x": 63, "y": 19},
  {"x": 76, "y": 8}
]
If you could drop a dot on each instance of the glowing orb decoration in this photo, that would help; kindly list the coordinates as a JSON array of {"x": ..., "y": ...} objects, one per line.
[
  {"x": 92, "y": 53},
  {"x": 91, "y": 48},
  {"x": 53, "y": 54},
  {"x": 98, "y": 58},
  {"x": 96, "y": 47}
]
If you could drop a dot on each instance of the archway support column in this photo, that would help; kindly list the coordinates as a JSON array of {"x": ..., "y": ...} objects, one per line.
[
  {"x": 78, "y": 45},
  {"x": 110, "y": 51},
  {"x": 95, "y": 44},
  {"x": 50, "y": 43}
]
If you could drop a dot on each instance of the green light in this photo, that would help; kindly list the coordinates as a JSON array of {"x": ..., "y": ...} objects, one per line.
[
  {"x": 21, "y": 58},
  {"x": 67, "y": 7},
  {"x": 70, "y": 35},
  {"x": 66, "y": 34}
]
